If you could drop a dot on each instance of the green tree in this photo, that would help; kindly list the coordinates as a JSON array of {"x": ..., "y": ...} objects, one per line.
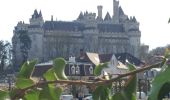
[
  {"x": 25, "y": 43},
  {"x": 5, "y": 54}
]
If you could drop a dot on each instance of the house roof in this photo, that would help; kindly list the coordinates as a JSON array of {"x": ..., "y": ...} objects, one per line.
[
  {"x": 86, "y": 61},
  {"x": 122, "y": 57}
]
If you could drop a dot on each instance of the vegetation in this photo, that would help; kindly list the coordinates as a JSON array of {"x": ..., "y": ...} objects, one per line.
[
  {"x": 26, "y": 88},
  {"x": 5, "y": 55},
  {"x": 26, "y": 43}
]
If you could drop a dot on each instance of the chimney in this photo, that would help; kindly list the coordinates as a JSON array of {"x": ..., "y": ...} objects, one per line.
[
  {"x": 82, "y": 54},
  {"x": 51, "y": 17},
  {"x": 99, "y": 11}
]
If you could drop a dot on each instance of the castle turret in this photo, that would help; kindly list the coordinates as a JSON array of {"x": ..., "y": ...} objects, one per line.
[
  {"x": 116, "y": 11},
  {"x": 99, "y": 17},
  {"x": 36, "y": 19}
]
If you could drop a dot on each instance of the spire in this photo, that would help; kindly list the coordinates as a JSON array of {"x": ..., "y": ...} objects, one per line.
[
  {"x": 121, "y": 11},
  {"x": 107, "y": 17},
  {"x": 80, "y": 17},
  {"x": 35, "y": 14},
  {"x": 134, "y": 19},
  {"x": 40, "y": 14}
]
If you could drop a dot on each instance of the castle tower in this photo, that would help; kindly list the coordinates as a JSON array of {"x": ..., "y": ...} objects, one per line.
[
  {"x": 116, "y": 11},
  {"x": 99, "y": 12},
  {"x": 36, "y": 19}
]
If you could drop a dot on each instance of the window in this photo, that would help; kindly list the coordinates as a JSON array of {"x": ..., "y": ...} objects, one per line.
[
  {"x": 77, "y": 69},
  {"x": 73, "y": 69},
  {"x": 91, "y": 69}
]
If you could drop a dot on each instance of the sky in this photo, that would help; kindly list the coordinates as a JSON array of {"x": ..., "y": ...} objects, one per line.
[{"x": 152, "y": 15}]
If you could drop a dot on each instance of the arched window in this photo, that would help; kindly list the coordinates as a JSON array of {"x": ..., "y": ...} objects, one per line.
[
  {"x": 77, "y": 69},
  {"x": 91, "y": 69},
  {"x": 73, "y": 69}
]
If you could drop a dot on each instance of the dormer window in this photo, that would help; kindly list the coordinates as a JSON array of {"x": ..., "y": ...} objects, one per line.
[
  {"x": 73, "y": 69},
  {"x": 77, "y": 69},
  {"x": 91, "y": 69}
]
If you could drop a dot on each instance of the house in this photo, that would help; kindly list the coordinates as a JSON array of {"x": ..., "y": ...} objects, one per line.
[{"x": 82, "y": 67}]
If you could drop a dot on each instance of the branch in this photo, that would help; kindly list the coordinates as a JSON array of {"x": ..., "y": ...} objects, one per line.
[{"x": 100, "y": 82}]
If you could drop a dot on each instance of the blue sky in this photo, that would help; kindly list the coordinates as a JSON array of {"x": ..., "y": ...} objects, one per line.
[{"x": 153, "y": 15}]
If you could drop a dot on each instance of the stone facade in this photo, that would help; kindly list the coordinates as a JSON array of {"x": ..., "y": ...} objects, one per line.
[{"x": 51, "y": 39}]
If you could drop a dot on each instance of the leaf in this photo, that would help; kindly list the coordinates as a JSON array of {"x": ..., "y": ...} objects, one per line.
[
  {"x": 131, "y": 84},
  {"x": 13, "y": 92},
  {"x": 118, "y": 96},
  {"x": 4, "y": 95},
  {"x": 45, "y": 93},
  {"x": 50, "y": 92},
  {"x": 59, "y": 68},
  {"x": 54, "y": 92},
  {"x": 98, "y": 68},
  {"x": 101, "y": 93},
  {"x": 50, "y": 75},
  {"x": 22, "y": 83},
  {"x": 32, "y": 95},
  {"x": 167, "y": 53},
  {"x": 159, "y": 81},
  {"x": 129, "y": 91},
  {"x": 165, "y": 89},
  {"x": 169, "y": 21},
  {"x": 26, "y": 69}
]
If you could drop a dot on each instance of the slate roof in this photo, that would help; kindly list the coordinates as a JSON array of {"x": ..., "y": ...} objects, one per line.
[
  {"x": 110, "y": 27},
  {"x": 63, "y": 26},
  {"x": 122, "y": 57},
  {"x": 88, "y": 62},
  {"x": 121, "y": 11},
  {"x": 107, "y": 17},
  {"x": 84, "y": 71},
  {"x": 34, "y": 26},
  {"x": 75, "y": 26}
]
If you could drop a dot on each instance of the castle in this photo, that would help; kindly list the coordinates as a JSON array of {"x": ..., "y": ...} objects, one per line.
[{"x": 50, "y": 39}]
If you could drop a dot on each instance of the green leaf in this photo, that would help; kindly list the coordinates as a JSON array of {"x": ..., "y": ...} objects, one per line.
[
  {"x": 118, "y": 96},
  {"x": 27, "y": 69},
  {"x": 32, "y": 95},
  {"x": 129, "y": 91},
  {"x": 98, "y": 68},
  {"x": 159, "y": 81},
  {"x": 59, "y": 68},
  {"x": 50, "y": 75},
  {"x": 45, "y": 93},
  {"x": 4, "y": 95},
  {"x": 22, "y": 83},
  {"x": 50, "y": 92},
  {"x": 167, "y": 53},
  {"x": 13, "y": 92},
  {"x": 131, "y": 84},
  {"x": 54, "y": 91},
  {"x": 101, "y": 93}
]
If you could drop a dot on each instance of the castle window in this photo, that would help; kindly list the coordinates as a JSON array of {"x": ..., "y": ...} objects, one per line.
[
  {"x": 73, "y": 69},
  {"x": 91, "y": 69},
  {"x": 77, "y": 69}
]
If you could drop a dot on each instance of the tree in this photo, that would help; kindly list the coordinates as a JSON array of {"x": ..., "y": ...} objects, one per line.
[
  {"x": 5, "y": 54},
  {"x": 25, "y": 43}
]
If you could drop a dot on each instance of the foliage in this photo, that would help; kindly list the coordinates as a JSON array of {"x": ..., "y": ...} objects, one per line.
[
  {"x": 5, "y": 54},
  {"x": 50, "y": 89},
  {"x": 25, "y": 43}
]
